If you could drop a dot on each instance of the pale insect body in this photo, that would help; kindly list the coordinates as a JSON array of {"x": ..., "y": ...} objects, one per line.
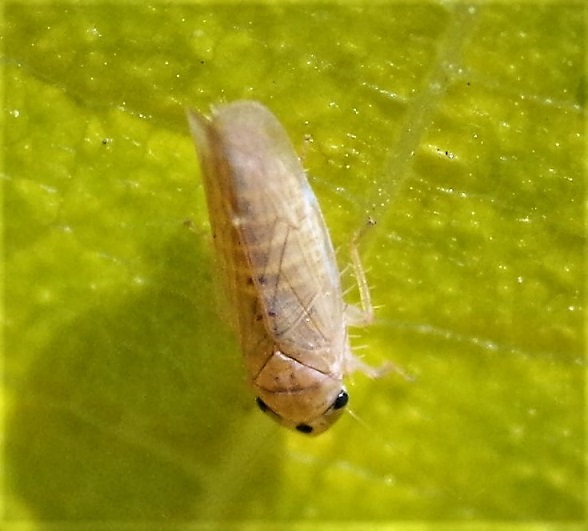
[{"x": 278, "y": 263}]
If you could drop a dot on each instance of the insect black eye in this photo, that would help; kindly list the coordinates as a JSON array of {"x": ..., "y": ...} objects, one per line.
[
  {"x": 261, "y": 404},
  {"x": 304, "y": 428},
  {"x": 341, "y": 400}
]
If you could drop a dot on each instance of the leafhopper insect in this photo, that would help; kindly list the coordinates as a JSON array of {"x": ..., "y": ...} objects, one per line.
[{"x": 278, "y": 265}]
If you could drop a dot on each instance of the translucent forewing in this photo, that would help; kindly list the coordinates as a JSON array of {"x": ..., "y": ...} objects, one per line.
[{"x": 278, "y": 263}]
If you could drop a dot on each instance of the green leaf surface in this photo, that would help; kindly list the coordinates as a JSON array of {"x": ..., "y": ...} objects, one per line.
[{"x": 457, "y": 128}]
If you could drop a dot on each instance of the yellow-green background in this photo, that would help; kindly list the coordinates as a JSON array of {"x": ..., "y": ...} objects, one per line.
[{"x": 458, "y": 128}]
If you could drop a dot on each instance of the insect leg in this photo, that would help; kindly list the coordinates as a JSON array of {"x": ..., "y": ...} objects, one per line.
[{"x": 365, "y": 315}]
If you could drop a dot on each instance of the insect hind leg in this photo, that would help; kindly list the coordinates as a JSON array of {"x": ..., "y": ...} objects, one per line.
[{"x": 354, "y": 315}]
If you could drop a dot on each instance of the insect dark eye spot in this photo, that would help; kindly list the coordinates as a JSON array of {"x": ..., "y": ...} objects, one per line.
[
  {"x": 304, "y": 428},
  {"x": 341, "y": 400},
  {"x": 261, "y": 404}
]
